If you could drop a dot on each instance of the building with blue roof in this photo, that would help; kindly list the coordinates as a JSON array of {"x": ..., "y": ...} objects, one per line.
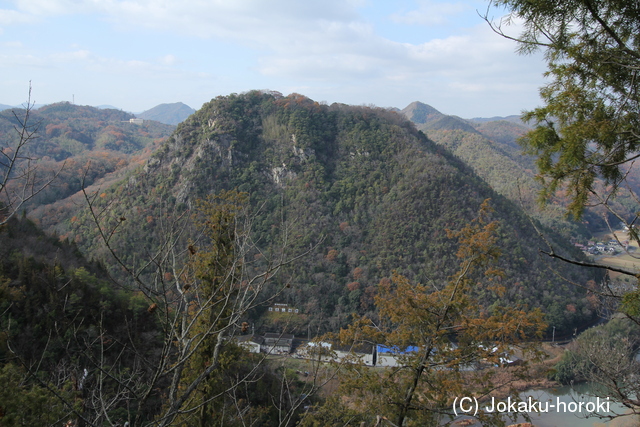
[{"x": 388, "y": 356}]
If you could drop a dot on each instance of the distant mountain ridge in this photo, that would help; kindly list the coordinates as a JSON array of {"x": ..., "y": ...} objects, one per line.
[
  {"x": 426, "y": 117},
  {"x": 490, "y": 147},
  {"x": 84, "y": 144},
  {"x": 514, "y": 118},
  {"x": 170, "y": 114},
  {"x": 9, "y": 107},
  {"x": 420, "y": 113},
  {"x": 107, "y": 107}
]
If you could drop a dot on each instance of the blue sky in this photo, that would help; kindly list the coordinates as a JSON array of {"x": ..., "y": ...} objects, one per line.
[{"x": 136, "y": 54}]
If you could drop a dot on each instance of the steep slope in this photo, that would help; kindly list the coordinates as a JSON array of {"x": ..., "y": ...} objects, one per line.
[
  {"x": 503, "y": 132},
  {"x": 378, "y": 192},
  {"x": 420, "y": 113},
  {"x": 428, "y": 118},
  {"x": 170, "y": 114},
  {"x": 496, "y": 160},
  {"x": 491, "y": 149},
  {"x": 62, "y": 319}
]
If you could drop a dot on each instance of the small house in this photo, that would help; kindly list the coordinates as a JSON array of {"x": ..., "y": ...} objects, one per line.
[
  {"x": 251, "y": 343},
  {"x": 390, "y": 356},
  {"x": 363, "y": 352},
  {"x": 277, "y": 343},
  {"x": 317, "y": 350}
]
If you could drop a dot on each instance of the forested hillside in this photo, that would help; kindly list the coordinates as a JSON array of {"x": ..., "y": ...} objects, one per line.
[
  {"x": 82, "y": 145},
  {"x": 363, "y": 184},
  {"x": 77, "y": 349},
  {"x": 491, "y": 149}
]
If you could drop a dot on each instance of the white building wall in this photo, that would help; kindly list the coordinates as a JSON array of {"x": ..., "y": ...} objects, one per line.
[
  {"x": 251, "y": 346},
  {"x": 387, "y": 359}
]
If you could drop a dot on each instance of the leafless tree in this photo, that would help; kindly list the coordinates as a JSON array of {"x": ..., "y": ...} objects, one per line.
[
  {"x": 197, "y": 317},
  {"x": 19, "y": 177}
]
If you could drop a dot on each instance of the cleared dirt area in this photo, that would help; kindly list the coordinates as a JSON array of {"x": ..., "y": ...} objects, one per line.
[
  {"x": 625, "y": 261},
  {"x": 628, "y": 260}
]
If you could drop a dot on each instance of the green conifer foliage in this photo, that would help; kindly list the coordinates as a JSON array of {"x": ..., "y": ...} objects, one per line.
[{"x": 588, "y": 126}]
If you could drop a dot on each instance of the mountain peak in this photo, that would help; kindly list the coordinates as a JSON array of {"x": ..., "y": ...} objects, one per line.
[
  {"x": 428, "y": 118},
  {"x": 419, "y": 112},
  {"x": 170, "y": 114}
]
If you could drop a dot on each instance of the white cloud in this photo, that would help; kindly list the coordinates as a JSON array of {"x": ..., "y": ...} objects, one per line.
[
  {"x": 88, "y": 62},
  {"x": 13, "y": 17},
  {"x": 117, "y": 66},
  {"x": 468, "y": 87},
  {"x": 349, "y": 52},
  {"x": 330, "y": 47},
  {"x": 430, "y": 13},
  {"x": 15, "y": 61},
  {"x": 13, "y": 45},
  {"x": 76, "y": 55},
  {"x": 54, "y": 7},
  {"x": 169, "y": 60},
  {"x": 248, "y": 19},
  {"x": 294, "y": 39}
]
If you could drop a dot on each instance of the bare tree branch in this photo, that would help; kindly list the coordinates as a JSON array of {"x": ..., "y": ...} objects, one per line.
[{"x": 19, "y": 181}]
